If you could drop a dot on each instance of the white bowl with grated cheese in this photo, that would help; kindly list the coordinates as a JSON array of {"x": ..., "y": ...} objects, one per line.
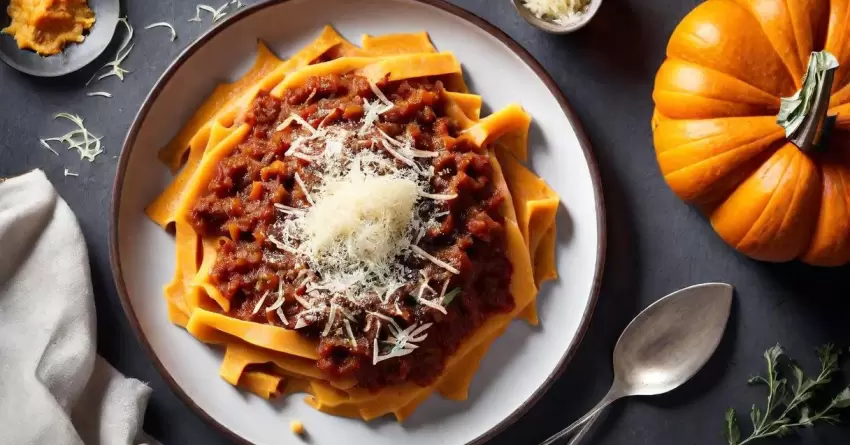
[
  {"x": 557, "y": 16},
  {"x": 521, "y": 364}
]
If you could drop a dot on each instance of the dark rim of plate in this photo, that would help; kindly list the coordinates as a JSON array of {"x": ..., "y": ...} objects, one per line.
[{"x": 526, "y": 57}]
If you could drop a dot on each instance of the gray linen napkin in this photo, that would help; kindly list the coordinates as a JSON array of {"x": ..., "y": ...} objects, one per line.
[{"x": 54, "y": 388}]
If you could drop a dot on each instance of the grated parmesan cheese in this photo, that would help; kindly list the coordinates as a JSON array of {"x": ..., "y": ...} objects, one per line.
[
  {"x": 368, "y": 210},
  {"x": 361, "y": 219},
  {"x": 562, "y": 12}
]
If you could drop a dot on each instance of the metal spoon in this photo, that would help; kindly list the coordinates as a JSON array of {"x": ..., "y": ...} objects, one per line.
[
  {"x": 665, "y": 345},
  {"x": 556, "y": 28}
]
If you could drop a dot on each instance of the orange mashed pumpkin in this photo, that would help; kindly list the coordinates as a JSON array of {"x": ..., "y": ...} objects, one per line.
[{"x": 46, "y": 26}]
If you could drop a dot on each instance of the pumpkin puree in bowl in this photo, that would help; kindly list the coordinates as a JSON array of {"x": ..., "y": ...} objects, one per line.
[{"x": 46, "y": 26}]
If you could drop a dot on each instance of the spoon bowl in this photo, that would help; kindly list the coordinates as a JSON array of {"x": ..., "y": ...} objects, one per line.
[
  {"x": 556, "y": 28},
  {"x": 74, "y": 56},
  {"x": 655, "y": 354}
]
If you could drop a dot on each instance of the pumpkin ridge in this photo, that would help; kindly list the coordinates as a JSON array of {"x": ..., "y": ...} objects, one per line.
[
  {"x": 769, "y": 109},
  {"x": 727, "y": 152},
  {"x": 798, "y": 189},
  {"x": 838, "y": 41},
  {"x": 721, "y": 73},
  {"x": 795, "y": 76},
  {"x": 823, "y": 249},
  {"x": 757, "y": 230},
  {"x": 760, "y": 221},
  {"x": 726, "y": 36},
  {"x": 802, "y": 53}
]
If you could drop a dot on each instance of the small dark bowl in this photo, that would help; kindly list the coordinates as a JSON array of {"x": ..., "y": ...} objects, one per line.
[{"x": 75, "y": 55}]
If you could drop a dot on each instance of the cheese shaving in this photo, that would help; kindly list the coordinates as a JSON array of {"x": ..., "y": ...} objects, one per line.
[
  {"x": 281, "y": 315},
  {"x": 331, "y": 319},
  {"x": 288, "y": 209},
  {"x": 398, "y": 156},
  {"x": 123, "y": 51},
  {"x": 260, "y": 303},
  {"x": 164, "y": 25},
  {"x": 303, "y": 123},
  {"x": 439, "y": 197},
  {"x": 306, "y": 158},
  {"x": 99, "y": 93},
  {"x": 419, "y": 251},
  {"x": 217, "y": 14},
  {"x": 69, "y": 173},
  {"x": 304, "y": 189},
  {"x": 279, "y": 302},
  {"x": 391, "y": 322},
  {"x": 301, "y": 322},
  {"x": 380, "y": 95},
  {"x": 301, "y": 301},
  {"x": 282, "y": 246},
  {"x": 47, "y": 146},
  {"x": 87, "y": 145},
  {"x": 349, "y": 332},
  {"x": 432, "y": 305}
]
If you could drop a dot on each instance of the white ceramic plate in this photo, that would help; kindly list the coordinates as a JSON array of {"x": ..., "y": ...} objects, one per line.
[{"x": 521, "y": 364}]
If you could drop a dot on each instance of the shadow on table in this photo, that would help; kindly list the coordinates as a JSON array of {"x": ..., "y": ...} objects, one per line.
[
  {"x": 819, "y": 294},
  {"x": 614, "y": 42}
]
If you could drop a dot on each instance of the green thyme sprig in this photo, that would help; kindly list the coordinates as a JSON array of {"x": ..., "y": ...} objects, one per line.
[{"x": 789, "y": 406}]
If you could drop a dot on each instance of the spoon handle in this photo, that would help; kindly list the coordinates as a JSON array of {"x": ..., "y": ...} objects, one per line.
[
  {"x": 613, "y": 394},
  {"x": 584, "y": 430}
]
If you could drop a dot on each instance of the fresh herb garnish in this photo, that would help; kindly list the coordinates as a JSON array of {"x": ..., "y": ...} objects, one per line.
[
  {"x": 450, "y": 295},
  {"x": 789, "y": 400}
]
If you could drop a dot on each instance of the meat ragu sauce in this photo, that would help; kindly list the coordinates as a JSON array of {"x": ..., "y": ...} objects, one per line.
[{"x": 239, "y": 207}]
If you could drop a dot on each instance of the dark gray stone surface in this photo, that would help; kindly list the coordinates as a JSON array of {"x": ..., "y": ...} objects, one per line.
[{"x": 656, "y": 244}]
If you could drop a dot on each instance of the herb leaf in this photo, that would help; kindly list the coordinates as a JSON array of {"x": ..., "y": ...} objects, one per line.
[
  {"x": 732, "y": 432},
  {"x": 789, "y": 407},
  {"x": 450, "y": 295}
]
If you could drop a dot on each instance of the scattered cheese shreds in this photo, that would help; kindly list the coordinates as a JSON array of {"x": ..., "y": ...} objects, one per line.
[
  {"x": 99, "y": 93},
  {"x": 421, "y": 252},
  {"x": 260, "y": 303},
  {"x": 87, "y": 145},
  {"x": 439, "y": 197},
  {"x": 69, "y": 173},
  {"x": 304, "y": 189},
  {"x": 380, "y": 95},
  {"x": 47, "y": 146},
  {"x": 164, "y": 25},
  {"x": 279, "y": 302},
  {"x": 433, "y": 305},
  {"x": 115, "y": 66},
  {"x": 217, "y": 14},
  {"x": 350, "y": 332},
  {"x": 331, "y": 319}
]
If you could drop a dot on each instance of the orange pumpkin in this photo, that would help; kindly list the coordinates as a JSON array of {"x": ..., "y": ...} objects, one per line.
[{"x": 717, "y": 140}]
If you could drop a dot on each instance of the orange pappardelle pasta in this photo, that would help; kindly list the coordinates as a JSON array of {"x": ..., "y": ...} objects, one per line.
[{"x": 348, "y": 226}]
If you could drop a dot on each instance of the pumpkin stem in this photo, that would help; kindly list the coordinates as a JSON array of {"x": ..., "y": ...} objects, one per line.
[{"x": 803, "y": 115}]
